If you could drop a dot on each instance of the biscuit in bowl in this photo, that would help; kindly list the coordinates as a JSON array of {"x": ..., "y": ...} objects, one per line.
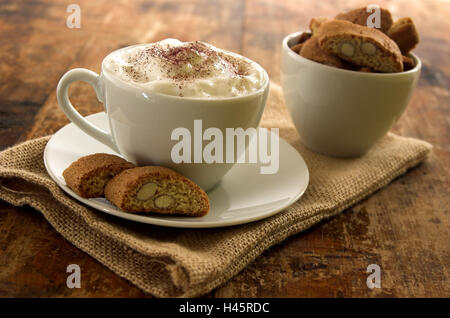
[
  {"x": 360, "y": 16},
  {"x": 405, "y": 34},
  {"x": 314, "y": 52},
  {"x": 361, "y": 46}
]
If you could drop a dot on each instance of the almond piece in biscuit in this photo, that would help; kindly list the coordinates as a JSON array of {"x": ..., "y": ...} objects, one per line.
[
  {"x": 360, "y": 45},
  {"x": 405, "y": 34},
  {"x": 360, "y": 15},
  {"x": 312, "y": 51},
  {"x": 88, "y": 175},
  {"x": 156, "y": 189}
]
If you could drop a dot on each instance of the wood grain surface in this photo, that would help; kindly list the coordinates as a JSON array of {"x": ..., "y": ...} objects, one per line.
[{"x": 404, "y": 227}]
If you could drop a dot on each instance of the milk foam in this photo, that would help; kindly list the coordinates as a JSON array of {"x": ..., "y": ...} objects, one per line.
[{"x": 186, "y": 69}]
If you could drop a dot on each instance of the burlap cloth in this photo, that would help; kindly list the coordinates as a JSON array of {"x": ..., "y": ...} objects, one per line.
[{"x": 190, "y": 262}]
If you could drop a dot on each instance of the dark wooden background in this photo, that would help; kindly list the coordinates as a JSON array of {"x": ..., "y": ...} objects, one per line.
[{"x": 404, "y": 227}]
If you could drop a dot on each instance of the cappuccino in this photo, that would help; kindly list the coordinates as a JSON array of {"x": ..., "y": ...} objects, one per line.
[{"x": 186, "y": 69}]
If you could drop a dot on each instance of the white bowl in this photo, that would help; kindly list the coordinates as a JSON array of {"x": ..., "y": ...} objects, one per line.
[{"x": 339, "y": 112}]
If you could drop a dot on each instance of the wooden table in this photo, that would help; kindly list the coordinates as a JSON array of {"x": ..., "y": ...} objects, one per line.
[{"x": 403, "y": 227}]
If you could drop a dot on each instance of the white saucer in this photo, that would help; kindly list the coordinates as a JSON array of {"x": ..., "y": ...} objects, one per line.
[{"x": 244, "y": 195}]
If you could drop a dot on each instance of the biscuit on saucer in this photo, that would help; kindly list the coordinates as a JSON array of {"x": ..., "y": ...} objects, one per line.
[
  {"x": 156, "y": 189},
  {"x": 88, "y": 175}
]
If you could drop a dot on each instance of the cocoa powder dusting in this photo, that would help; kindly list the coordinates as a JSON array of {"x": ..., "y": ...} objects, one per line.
[{"x": 191, "y": 61}]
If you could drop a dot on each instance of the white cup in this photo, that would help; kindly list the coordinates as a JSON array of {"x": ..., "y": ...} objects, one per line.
[
  {"x": 339, "y": 112},
  {"x": 141, "y": 122}
]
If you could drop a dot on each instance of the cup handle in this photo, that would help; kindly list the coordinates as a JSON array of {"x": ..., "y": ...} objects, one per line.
[{"x": 82, "y": 74}]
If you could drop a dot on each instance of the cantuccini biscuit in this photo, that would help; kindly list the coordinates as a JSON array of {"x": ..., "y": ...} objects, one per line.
[
  {"x": 365, "y": 69},
  {"x": 297, "y": 48},
  {"x": 88, "y": 175},
  {"x": 301, "y": 39},
  {"x": 360, "y": 15},
  {"x": 360, "y": 45},
  {"x": 315, "y": 24},
  {"x": 156, "y": 189},
  {"x": 408, "y": 63},
  {"x": 313, "y": 51},
  {"x": 405, "y": 34}
]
